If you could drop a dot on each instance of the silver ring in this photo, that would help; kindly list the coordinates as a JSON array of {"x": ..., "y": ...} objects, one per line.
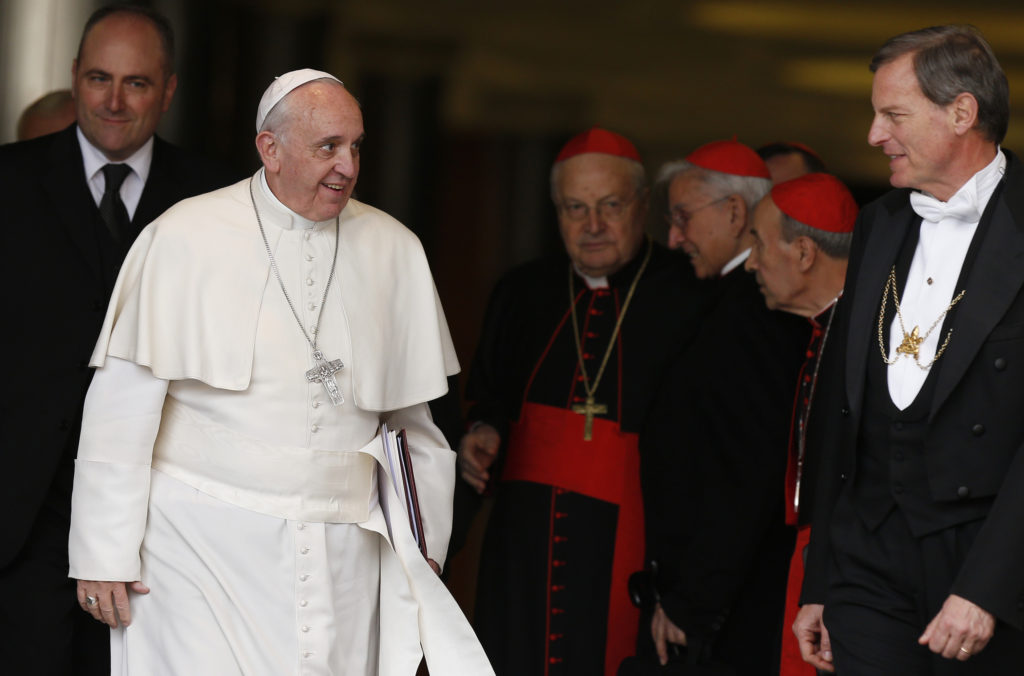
[
  {"x": 964, "y": 650},
  {"x": 92, "y": 600}
]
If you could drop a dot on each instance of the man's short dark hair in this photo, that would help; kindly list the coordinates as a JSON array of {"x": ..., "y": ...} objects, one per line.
[
  {"x": 951, "y": 60},
  {"x": 158, "y": 20},
  {"x": 812, "y": 162}
]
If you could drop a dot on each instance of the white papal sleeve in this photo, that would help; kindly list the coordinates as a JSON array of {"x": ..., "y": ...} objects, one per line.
[
  {"x": 110, "y": 498},
  {"x": 433, "y": 465}
]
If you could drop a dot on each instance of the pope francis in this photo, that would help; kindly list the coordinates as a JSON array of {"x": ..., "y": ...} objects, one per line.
[{"x": 233, "y": 509}]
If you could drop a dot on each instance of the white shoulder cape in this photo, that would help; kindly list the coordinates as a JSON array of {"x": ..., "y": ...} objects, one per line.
[{"x": 188, "y": 298}]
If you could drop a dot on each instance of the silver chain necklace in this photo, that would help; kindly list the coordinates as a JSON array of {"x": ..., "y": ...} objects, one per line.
[{"x": 324, "y": 370}]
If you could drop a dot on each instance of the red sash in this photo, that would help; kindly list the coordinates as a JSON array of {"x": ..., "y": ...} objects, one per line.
[
  {"x": 546, "y": 446},
  {"x": 792, "y": 664}
]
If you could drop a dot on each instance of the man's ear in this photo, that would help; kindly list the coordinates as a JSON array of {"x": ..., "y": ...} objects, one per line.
[
  {"x": 964, "y": 113},
  {"x": 737, "y": 215},
  {"x": 269, "y": 148},
  {"x": 807, "y": 253}
]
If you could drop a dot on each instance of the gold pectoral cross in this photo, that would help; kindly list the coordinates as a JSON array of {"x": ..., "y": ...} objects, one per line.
[
  {"x": 911, "y": 343},
  {"x": 589, "y": 409}
]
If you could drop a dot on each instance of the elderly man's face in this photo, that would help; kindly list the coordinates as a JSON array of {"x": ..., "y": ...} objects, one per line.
[
  {"x": 600, "y": 214},
  {"x": 315, "y": 164},
  {"x": 700, "y": 224},
  {"x": 120, "y": 85},
  {"x": 773, "y": 260},
  {"x": 915, "y": 133}
]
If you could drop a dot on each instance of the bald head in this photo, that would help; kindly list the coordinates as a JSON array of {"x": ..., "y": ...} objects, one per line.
[{"x": 53, "y": 112}]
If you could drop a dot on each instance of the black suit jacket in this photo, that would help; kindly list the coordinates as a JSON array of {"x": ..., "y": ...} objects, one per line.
[
  {"x": 974, "y": 446},
  {"x": 59, "y": 267}
]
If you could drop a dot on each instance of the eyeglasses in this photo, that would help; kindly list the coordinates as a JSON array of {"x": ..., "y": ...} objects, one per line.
[
  {"x": 609, "y": 209},
  {"x": 680, "y": 218}
]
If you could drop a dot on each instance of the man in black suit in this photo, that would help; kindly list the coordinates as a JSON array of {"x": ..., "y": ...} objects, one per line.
[
  {"x": 714, "y": 450},
  {"x": 917, "y": 548},
  {"x": 64, "y": 236}
]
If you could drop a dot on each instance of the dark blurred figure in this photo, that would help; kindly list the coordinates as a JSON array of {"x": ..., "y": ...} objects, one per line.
[
  {"x": 714, "y": 450},
  {"x": 802, "y": 231},
  {"x": 572, "y": 349},
  {"x": 48, "y": 114},
  {"x": 66, "y": 234},
  {"x": 788, "y": 160}
]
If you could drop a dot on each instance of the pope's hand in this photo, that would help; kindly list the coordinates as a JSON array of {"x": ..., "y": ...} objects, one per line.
[
  {"x": 111, "y": 600},
  {"x": 812, "y": 636},
  {"x": 477, "y": 452},
  {"x": 961, "y": 629}
]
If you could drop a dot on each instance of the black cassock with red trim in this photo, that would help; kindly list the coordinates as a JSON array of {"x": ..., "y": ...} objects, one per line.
[{"x": 567, "y": 525}]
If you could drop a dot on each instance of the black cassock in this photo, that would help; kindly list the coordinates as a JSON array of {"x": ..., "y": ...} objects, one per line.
[
  {"x": 567, "y": 525},
  {"x": 714, "y": 465}
]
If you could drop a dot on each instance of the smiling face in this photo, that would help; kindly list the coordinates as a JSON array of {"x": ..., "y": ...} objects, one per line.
[
  {"x": 600, "y": 213},
  {"x": 917, "y": 135},
  {"x": 120, "y": 84},
  {"x": 312, "y": 160}
]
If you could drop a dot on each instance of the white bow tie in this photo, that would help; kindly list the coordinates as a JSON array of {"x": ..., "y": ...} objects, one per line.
[{"x": 963, "y": 207}]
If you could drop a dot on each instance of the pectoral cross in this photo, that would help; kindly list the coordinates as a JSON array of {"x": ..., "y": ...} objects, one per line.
[
  {"x": 911, "y": 343},
  {"x": 589, "y": 409},
  {"x": 323, "y": 373}
]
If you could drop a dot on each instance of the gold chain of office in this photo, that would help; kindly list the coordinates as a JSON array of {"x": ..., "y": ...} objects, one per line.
[
  {"x": 590, "y": 407},
  {"x": 911, "y": 341}
]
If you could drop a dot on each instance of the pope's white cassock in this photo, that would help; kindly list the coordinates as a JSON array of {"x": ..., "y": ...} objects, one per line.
[{"x": 258, "y": 513}]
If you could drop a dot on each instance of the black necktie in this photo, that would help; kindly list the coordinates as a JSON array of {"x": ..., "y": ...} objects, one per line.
[{"x": 112, "y": 209}]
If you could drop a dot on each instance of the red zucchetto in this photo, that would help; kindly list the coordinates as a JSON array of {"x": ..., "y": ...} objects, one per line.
[
  {"x": 820, "y": 201},
  {"x": 597, "y": 140},
  {"x": 729, "y": 157}
]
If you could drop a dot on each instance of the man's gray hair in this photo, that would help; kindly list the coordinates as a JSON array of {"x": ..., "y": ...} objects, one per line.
[
  {"x": 750, "y": 188},
  {"x": 637, "y": 175},
  {"x": 951, "y": 60},
  {"x": 279, "y": 117},
  {"x": 832, "y": 244}
]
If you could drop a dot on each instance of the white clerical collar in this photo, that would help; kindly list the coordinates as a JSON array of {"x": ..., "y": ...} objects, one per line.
[
  {"x": 592, "y": 282},
  {"x": 735, "y": 263},
  {"x": 94, "y": 159},
  {"x": 287, "y": 219}
]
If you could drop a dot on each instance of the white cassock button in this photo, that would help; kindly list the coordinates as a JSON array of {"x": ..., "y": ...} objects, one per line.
[
  {"x": 306, "y": 236},
  {"x": 304, "y": 550},
  {"x": 301, "y": 526},
  {"x": 309, "y": 258},
  {"x": 316, "y": 404},
  {"x": 306, "y": 653},
  {"x": 305, "y": 628},
  {"x": 303, "y": 603},
  {"x": 303, "y": 577},
  {"x": 309, "y": 281},
  {"x": 312, "y": 306},
  {"x": 314, "y": 428}
]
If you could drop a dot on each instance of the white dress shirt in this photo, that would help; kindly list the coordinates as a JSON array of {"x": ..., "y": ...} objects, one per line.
[
  {"x": 931, "y": 281},
  {"x": 131, "y": 190}
]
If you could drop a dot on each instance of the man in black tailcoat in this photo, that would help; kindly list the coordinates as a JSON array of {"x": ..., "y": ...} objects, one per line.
[
  {"x": 64, "y": 236},
  {"x": 917, "y": 548}
]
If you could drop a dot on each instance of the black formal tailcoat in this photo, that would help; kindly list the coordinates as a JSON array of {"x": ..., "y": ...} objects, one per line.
[
  {"x": 713, "y": 461},
  {"x": 60, "y": 265},
  {"x": 974, "y": 444}
]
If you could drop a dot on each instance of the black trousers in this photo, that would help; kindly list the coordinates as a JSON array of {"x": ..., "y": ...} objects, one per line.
[
  {"x": 886, "y": 585},
  {"x": 43, "y": 631}
]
